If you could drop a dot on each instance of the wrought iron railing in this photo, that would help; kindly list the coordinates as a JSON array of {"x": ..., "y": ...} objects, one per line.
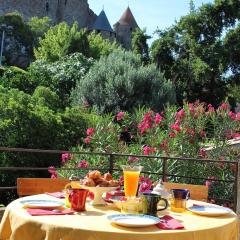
[{"x": 112, "y": 159}]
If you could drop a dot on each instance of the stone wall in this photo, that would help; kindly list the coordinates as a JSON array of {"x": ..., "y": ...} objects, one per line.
[
  {"x": 124, "y": 35},
  {"x": 57, "y": 10}
]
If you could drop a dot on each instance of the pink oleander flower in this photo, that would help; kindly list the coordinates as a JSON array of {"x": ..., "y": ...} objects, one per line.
[
  {"x": 236, "y": 135},
  {"x": 202, "y": 133},
  {"x": 176, "y": 127},
  {"x": 233, "y": 167},
  {"x": 66, "y": 157},
  {"x": 232, "y": 115},
  {"x": 220, "y": 165},
  {"x": 158, "y": 118},
  {"x": 208, "y": 183},
  {"x": 120, "y": 116},
  {"x": 196, "y": 115},
  {"x": 146, "y": 123},
  {"x": 90, "y": 131},
  {"x": 191, "y": 108},
  {"x": 172, "y": 135},
  {"x": 132, "y": 159},
  {"x": 190, "y": 132},
  {"x": 180, "y": 115},
  {"x": 221, "y": 158},
  {"x": 238, "y": 116},
  {"x": 121, "y": 180},
  {"x": 224, "y": 106},
  {"x": 148, "y": 150},
  {"x": 144, "y": 187},
  {"x": 210, "y": 108},
  {"x": 145, "y": 184},
  {"x": 229, "y": 134},
  {"x": 83, "y": 164},
  {"x": 163, "y": 144},
  {"x": 202, "y": 153},
  {"x": 87, "y": 140},
  {"x": 53, "y": 172}
]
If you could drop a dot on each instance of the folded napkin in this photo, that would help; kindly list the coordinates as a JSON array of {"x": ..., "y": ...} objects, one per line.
[
  {"x": 169, "y": 223},
  {"x": 42, "y": 212},
  {"x": 57, "y": 194}
]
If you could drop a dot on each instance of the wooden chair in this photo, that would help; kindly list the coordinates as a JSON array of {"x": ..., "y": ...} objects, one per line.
[
  {"x": 32, "y": 186},
  {"x": 197, "y": 192},
  {"x": 2, "y": 209}
]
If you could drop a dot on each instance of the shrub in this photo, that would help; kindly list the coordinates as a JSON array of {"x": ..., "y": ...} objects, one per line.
[
  {"x": 100, "y": 47},
  {"x": 29, "y": 122},
  {"x": 60, "y": 76},
  {"x": 121, "y": 82},
  {"x": 45, "y": 97},
  {"x": 14, "y": 77},
  {"x": 185, "y": 132},
  {"x": 39, "y": 26},
  {"x": 60, "y": 41}
]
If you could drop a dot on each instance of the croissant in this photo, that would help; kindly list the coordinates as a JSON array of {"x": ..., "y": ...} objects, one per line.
[
  {"x": 89, "y": 182},
  {"x": 107, "y": 176},
  {"x": 113, "y": 183},
  {"x": 94, "y": 174},
  {"x": 104, "y": 183}
]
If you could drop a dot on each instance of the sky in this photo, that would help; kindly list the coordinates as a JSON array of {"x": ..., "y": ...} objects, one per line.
[{"x": 149, "y": 14}]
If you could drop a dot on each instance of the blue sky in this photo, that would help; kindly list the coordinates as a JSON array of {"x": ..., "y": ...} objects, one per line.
[{"x": 148, "y": 13}]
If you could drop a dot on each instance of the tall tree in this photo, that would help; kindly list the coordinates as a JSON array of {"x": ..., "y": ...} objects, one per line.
[
  {"x": 39, "y": 26},
  {"x": 192, "y": 54},
  {"x": 62, "y": 40},
  {"x": 192, "y": 6},
  {"x": 140, "y": 45}
]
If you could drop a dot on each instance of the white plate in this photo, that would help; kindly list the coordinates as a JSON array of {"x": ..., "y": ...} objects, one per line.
[
  {"x": 41, "y": 203},
  {"x": 133, "y": 220},
  {"x": 210, "y": 210}
]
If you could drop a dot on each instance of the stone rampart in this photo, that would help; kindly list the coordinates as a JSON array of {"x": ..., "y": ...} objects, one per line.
[{"x": 57, "y": 10}]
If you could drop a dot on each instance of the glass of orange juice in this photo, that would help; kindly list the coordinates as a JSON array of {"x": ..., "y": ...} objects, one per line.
[{"x": 131, "y": 178}]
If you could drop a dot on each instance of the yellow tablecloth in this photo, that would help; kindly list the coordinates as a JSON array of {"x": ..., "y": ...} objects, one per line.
[{"x": 17, "y": 224}]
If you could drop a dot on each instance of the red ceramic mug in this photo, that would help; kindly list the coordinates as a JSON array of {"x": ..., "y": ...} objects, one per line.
[{"x": 77, "y": 198}]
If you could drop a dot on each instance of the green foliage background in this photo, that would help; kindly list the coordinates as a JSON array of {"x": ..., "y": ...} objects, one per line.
[{"x": 121, "y": 82}]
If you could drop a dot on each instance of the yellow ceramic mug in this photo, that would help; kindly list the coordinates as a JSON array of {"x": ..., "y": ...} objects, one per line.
[{"x": 67, "y": 192}]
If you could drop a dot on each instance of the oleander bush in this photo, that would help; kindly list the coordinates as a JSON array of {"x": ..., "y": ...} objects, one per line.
[{"x": 195, "y": 131}]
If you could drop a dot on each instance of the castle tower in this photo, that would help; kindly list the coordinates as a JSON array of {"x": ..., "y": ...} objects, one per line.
[
  {"x": 102, "y": 25},
  {"x": 124, "y": 28}
]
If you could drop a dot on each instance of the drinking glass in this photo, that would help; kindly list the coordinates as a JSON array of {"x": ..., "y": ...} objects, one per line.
[
  {"x": 131, "y": 178},
  {"x": 179, "y": 199}
]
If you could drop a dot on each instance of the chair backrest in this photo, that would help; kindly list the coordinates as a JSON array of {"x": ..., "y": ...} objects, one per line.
[
  {"x": 31, "y": 186},
  {"x": 197, "y": 192}
]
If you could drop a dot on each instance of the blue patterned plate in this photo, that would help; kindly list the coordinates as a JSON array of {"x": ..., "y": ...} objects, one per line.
[
  {"x": 209, "y": 210},
  {"x": 133, "y": 220},
  {"x": 41, "y": 203}
]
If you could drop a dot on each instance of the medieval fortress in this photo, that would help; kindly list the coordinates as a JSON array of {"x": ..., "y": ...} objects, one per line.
[{"x": 75, "y": 10}]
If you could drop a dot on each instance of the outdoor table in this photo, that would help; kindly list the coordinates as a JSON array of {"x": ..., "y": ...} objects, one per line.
[{"x": 92, "y": 224}]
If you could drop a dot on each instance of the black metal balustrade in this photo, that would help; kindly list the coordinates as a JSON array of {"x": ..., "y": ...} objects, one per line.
[{"x": 112, "y": 157}]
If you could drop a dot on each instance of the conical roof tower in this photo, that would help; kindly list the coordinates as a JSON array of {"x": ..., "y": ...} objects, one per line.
[
  {"x": 101, "y": 23},
  {"x": 125, "y": 27},
  {"x": 128, "y": 19}
]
